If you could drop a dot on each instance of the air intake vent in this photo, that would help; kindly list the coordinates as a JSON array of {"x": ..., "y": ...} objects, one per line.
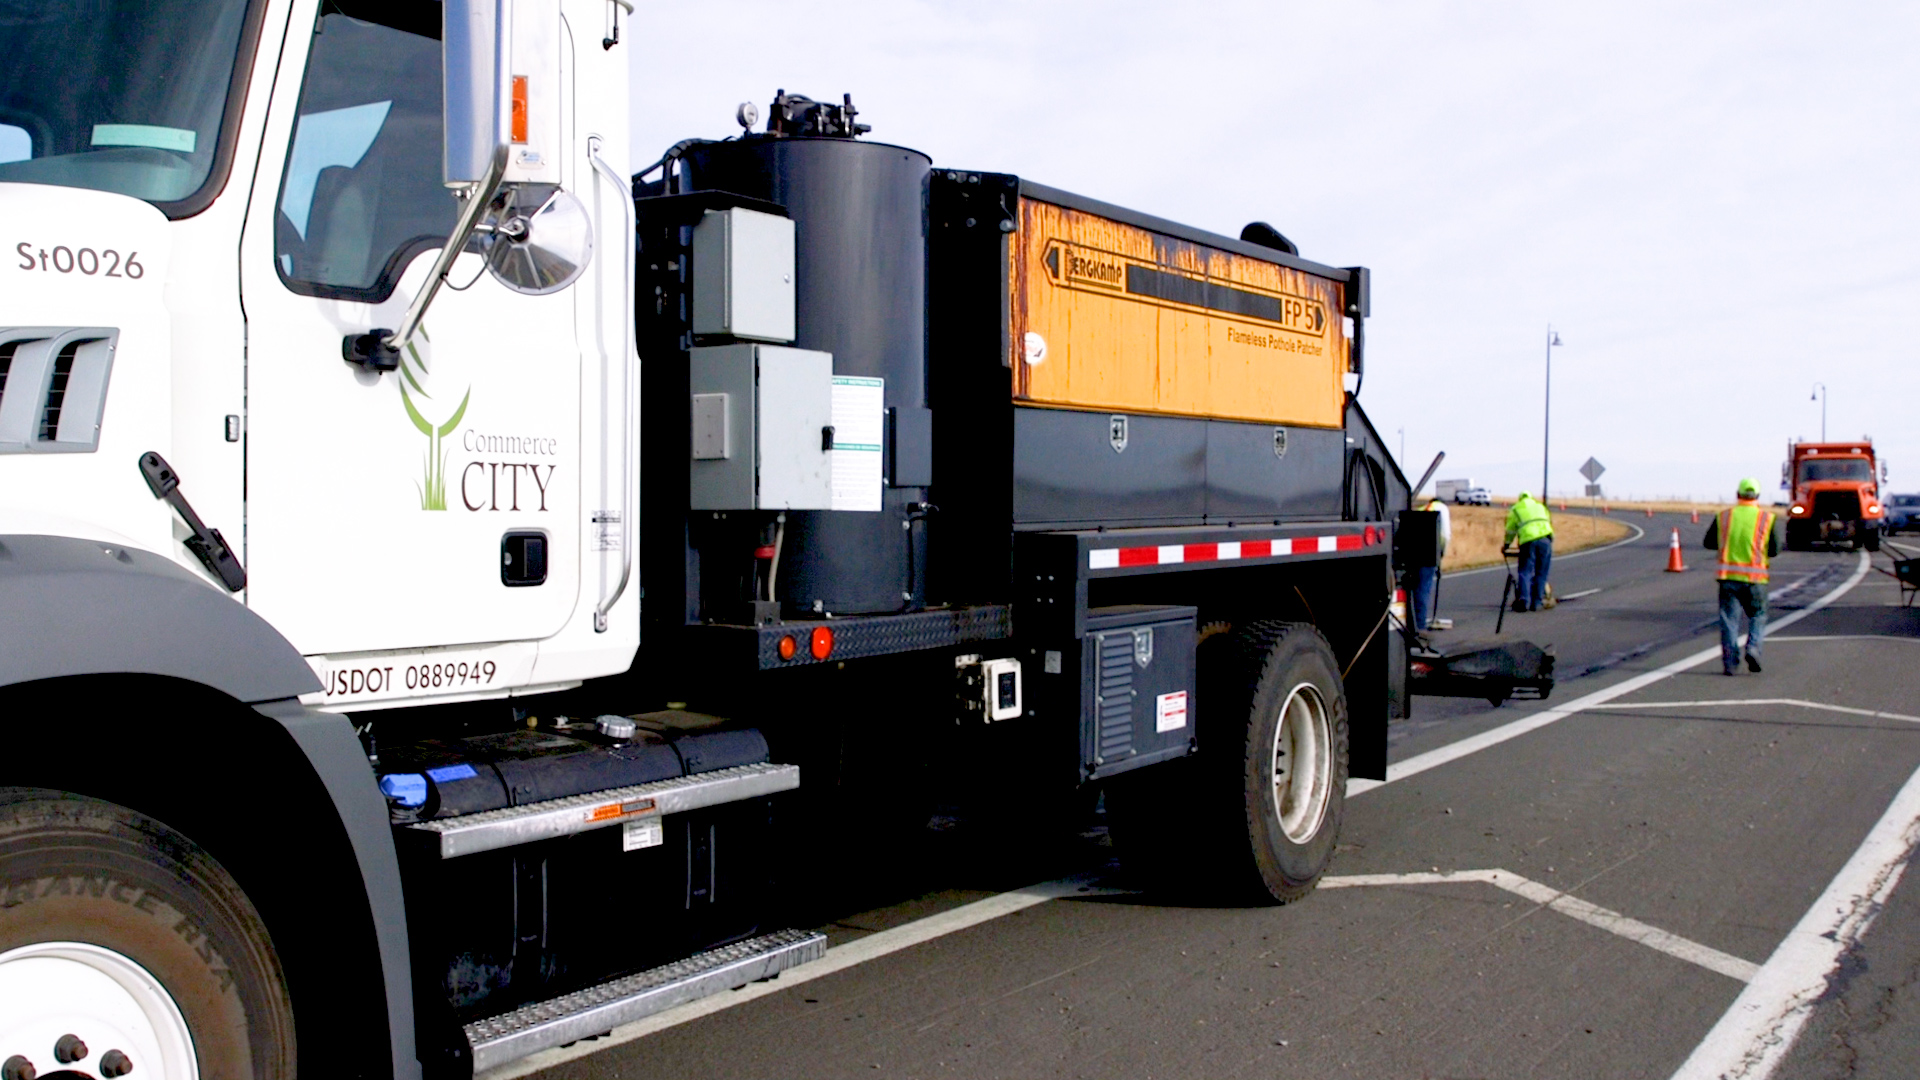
[
  {"x": 1115, "y": 708},
  {"x": 53, "y": 388}
]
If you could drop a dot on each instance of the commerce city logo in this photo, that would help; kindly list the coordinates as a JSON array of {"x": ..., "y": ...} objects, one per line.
[{"x": 413, "y": 372}]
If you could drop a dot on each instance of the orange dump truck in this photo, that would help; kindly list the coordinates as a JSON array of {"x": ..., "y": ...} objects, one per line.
[{"x": 1836, "y": 495}]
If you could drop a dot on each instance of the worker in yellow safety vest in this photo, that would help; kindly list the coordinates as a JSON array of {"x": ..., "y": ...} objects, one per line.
[
  {"x": 1744, "y": 537},
  {"x": 1529, "y": 525}
]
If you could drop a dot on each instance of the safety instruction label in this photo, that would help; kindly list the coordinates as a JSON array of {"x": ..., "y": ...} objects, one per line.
[
  {"x": 859, "y": 433},
  {"x": 645, "y": 833},
  {"x": 1170, "y": 711}
]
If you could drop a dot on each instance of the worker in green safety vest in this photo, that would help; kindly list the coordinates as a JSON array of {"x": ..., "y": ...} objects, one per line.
[
  {"x": 1529, "y": 525},
  {"x": 1744, "y": 537}
]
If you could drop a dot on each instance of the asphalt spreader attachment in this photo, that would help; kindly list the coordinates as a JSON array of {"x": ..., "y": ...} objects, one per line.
[{"x": 1494, "y": 670}]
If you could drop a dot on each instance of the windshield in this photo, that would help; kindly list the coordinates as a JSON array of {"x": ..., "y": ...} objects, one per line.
[
  {"x": 1849, "y": 468},
  {"x": 1906, "y": 500},
  {"x": 116, "y": 95}
]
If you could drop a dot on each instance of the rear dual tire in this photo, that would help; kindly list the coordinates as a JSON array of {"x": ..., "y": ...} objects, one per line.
[{"x": 1253, "y": 817}]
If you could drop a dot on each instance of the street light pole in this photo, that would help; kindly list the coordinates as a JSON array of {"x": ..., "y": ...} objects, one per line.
[
  {"x": 1546, "y": 435},
  {"x": 1820, "y": 391}
]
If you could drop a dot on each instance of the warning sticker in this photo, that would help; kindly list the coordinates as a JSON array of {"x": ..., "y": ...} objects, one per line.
[{"x": 1170, "y": 711}]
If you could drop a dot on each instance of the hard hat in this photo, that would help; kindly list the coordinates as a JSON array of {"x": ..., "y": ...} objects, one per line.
[{"x": 1749, "y": 488}]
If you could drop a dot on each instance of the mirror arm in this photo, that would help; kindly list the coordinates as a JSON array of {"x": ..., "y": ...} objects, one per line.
[{"x": 379, "y": 350}]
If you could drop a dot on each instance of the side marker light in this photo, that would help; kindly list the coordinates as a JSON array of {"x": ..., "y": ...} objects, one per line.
[
  {"x": 788, "y": 647},
  {"x": 821, "y": 643}
]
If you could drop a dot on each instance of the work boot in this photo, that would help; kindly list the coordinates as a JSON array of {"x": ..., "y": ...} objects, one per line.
[
  {"x": 1730, "y": 669},
  {"x": 1753, "y": 663},
  {"x": 1519, "y": 608}
]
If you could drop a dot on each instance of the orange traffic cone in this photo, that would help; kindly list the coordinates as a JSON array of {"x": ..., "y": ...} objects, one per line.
[
  {"x": 1674, "y": 565},
  {"x": 1606, "y": 509},
  {"x": 1649, "y": 511},
  {"x": 1696, "y": 515}
]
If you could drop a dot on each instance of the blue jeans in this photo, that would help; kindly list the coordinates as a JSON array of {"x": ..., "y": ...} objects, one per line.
[
  {"x": 1735, "y": 597},
  {"x": 1536, "y": 556},
  {"x": 1425, "y": 586}
]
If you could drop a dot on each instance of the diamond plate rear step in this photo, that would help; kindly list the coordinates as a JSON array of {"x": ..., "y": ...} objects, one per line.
[
  {"x": 492, "y": 829},
  {"x": 546, "y": 1024}
]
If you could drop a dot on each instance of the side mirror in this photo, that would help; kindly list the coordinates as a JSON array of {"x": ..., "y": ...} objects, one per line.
[
  {"x": 477, "y": 86},
  {"x": 502, "y": 103}
]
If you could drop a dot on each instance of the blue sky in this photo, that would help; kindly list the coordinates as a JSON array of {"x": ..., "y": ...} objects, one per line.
[{"x": 1715, "y": 204}]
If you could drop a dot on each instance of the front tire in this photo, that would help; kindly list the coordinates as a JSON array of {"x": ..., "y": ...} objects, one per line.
[{"x": 120, "y": 932}]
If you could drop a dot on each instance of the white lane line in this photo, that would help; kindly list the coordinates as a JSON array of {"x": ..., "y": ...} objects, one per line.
[
  {"x": 1638, "y": 534},
  {"x": 1473, "y": 744},
  {"x": 1578, "y": 595},
  {"x": 914, "y": 933},
  {"x": 1876, "y": 714},
  {"x": 1843, "y": 637},
  {"x": 1573, "y": 907},
  {"x": 1756, "y": 1032},
  {"x": 839, "y": 958}
]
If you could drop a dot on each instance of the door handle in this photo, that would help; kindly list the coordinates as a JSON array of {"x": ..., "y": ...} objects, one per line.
[{"x": 622, "y": 195}]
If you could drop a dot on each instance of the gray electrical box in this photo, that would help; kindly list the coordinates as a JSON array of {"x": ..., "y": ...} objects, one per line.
[
  {"x": 761, "y": 426},
  {"x": 743, "y": 271}
]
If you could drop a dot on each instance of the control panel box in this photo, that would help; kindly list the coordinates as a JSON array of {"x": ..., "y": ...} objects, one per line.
[
  {"x": 1136, "y": 687},
  {"x": 762, "y": 428},
  {"x": 743, "y": 274}
]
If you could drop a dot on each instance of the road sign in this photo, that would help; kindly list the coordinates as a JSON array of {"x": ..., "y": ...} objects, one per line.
[
  {"x": 1593, "y": 491},
  {"x": 1592, "y": 470}
]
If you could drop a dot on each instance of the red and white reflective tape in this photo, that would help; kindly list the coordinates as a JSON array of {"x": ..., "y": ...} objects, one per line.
[{"x": 1172, "y": 554}]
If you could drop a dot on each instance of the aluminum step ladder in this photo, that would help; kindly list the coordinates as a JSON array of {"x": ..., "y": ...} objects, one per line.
[{"x": 497, "y": 1040}]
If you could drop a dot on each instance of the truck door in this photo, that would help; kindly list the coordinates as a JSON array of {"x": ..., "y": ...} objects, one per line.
[{"x": 381, "y": 507}]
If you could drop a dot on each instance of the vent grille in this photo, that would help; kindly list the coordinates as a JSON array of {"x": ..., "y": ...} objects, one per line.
[
  {"x": 6, "y": 364},
  {"x": 57, "y": 392},
  {"x": 1116, "y": 696},
  {"x": 53, "y": 388}
]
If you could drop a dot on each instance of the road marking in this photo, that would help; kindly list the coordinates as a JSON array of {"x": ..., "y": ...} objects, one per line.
[
  {"x": 914, "y": 933},
  {"x": 1761, "y": 701},
  {"x": 1844, "y": 637},
  {"x": 1575, "y": 908},
  {"x": 1759, "y": 1028},
  {"x": 1473, "y": 744},
  {"x": 838, "y": 958},
  {"x": 1578, "y": 595},
  {"x": 1638, "y": 534}
]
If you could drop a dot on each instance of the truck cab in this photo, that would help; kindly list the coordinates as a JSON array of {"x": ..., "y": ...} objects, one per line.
[{"x": 1835, "y": 494}]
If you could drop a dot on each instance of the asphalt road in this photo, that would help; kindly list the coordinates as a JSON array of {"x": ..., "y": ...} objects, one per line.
[{"x": 1660, "y": 872}]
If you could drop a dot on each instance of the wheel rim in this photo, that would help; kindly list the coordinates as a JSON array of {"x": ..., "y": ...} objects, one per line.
[
  {"x": 1302, "y": 763},
  {"x": 54, "y": 989}
]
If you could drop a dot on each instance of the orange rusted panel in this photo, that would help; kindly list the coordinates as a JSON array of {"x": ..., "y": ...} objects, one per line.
[{"x": 1111, "y": 316}]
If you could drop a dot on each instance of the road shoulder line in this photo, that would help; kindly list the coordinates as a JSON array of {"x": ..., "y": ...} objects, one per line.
[{"x": 1753, "y": 1036}]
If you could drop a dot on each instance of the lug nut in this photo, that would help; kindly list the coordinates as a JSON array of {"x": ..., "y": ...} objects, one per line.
[
  {"x": 69, "y": 1050},
  {"x": 114, "y": 1063},
  {"x": 17, "y": 1068}
]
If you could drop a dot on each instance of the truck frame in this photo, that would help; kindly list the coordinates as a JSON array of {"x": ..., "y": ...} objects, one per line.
[{"x": 354, "y": 394}]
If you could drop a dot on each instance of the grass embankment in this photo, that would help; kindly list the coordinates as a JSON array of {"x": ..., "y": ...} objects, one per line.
[{"x": 1478, "y": 531}]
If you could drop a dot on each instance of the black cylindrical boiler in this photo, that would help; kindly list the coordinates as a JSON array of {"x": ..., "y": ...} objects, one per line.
[{"x": 859, "y": 212}]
